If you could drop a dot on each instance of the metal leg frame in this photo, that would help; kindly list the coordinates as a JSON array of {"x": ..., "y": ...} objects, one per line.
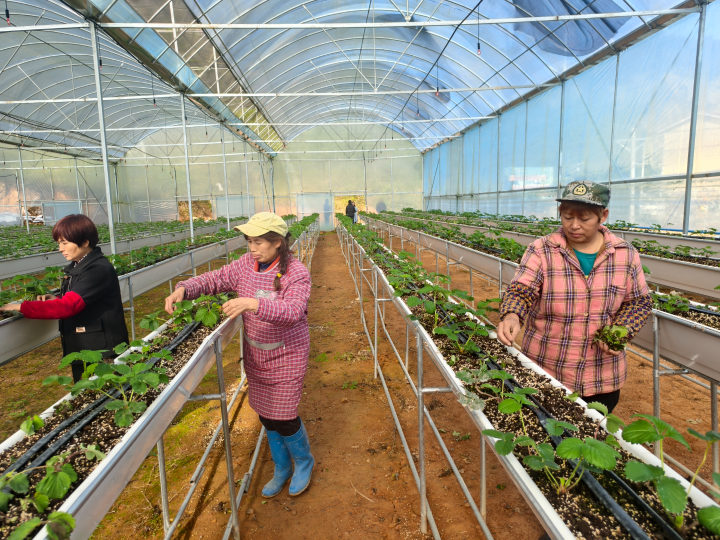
[
  {"x": 355, "y": 260},
  {"x": 170, "y": 524}
]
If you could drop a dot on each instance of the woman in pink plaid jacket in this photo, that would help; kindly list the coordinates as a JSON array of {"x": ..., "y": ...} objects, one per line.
[
  {"x": 570, "y": 284},
  {"x": 273, "y": 290}
]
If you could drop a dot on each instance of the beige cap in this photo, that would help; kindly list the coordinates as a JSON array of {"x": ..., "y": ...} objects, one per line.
[{"x": 263, "y": 222}]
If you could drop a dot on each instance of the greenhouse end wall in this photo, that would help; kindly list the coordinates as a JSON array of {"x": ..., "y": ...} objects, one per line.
[{"x": 624, "y": 122}]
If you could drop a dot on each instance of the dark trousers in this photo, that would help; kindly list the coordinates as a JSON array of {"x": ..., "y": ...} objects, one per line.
[
  {"x": 286, "y": 428},
  {"x": 610, "y": 399}
]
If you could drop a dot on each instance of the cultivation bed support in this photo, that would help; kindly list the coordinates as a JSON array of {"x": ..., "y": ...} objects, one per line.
[{"x": 355, "y": 256}]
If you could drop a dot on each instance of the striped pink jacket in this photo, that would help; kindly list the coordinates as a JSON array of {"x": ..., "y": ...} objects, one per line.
[
  {"x": 563, "y": 309},
  {"x": 276, "y": 376}
]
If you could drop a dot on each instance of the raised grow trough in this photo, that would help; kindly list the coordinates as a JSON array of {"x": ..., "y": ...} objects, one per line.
[{"x": 540, "y": 399}]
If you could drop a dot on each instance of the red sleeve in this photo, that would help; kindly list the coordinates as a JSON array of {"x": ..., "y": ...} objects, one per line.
[{"x": 61, "y": 308}]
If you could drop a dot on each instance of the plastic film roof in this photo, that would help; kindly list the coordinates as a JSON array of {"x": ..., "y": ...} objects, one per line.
[{"x": 58, "y": 63}]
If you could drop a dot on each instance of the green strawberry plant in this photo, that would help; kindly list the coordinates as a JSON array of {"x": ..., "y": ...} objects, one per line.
[
  {"x": 59, "y": 476},
  {"x": 670, "y": 492},
  {"x": 614, "y": 336}
]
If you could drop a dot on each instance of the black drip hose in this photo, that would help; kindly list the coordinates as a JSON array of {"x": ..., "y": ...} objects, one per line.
[{"x": 94, "y": 409}]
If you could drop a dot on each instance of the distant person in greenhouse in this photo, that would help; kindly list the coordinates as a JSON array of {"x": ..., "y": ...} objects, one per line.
[
  {"x": 273, "y": 289},
  {"x": 569, "y": 285},
  {"x": 351, "y": 211},
  {"x": 89, "y": 304}
]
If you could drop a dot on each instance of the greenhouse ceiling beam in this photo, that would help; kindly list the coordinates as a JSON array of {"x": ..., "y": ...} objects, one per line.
[
  {"x": 26, "y": 133},
  {"x": 278, "y": 94},
  {"x": 333, "y": 26}
]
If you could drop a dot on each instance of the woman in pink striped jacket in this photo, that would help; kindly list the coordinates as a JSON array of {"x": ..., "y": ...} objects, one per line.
[
  {"x": 570, "y": 284},
  {"x": 273, "y": 290}
]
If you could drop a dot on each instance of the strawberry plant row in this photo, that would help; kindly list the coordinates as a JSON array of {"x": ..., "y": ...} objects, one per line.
[
  {"x": 700, "y": 276},
  {"x": 483, "y": 370},
  {"x": 16, "y": 241}
]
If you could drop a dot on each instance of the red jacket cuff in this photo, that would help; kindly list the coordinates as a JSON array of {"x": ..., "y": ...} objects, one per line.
[{"x": 61, "y": 308}]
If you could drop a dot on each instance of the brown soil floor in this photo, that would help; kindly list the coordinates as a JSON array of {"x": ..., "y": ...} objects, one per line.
[{"x": 683, "y": 404}]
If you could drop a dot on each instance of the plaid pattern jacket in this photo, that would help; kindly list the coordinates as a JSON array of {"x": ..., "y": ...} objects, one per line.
[
  {"x": 275, "y": 378},
  {"x": 563, "y": 309}
]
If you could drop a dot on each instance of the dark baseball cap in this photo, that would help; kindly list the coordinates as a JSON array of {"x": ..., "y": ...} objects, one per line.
[{"x": 586, "y": 192}]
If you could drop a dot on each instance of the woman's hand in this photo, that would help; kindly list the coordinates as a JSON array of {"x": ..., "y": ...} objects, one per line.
[
  {"x": 233, "y": 308},
  {"x": 10, "y": 307},
  {"x": 177, "y": 296},
  {"x": 46, "y": 297},
  {"x": 508, "y": 329},
  {"x": 607, "y": 350}
]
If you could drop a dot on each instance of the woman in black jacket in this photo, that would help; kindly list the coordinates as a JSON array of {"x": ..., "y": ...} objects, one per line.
[{"x": 89, "y": 305}]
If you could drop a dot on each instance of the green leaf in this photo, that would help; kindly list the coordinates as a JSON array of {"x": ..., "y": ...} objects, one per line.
[
  {"x": 572, "y": 397},
  {"x": 716, "y": 478},
  {"x": 599, "y": 454},
  {"x": 123, "y": 417},
  {"x": 672, "y": 494},
  {"x": 571, "y": 448},
  {"x": 509, "y": 406},
  {"x": 497, "y": 434},
  {"x": 612, "y": 441},
  {"x": 640, "y": 432},
  {"x": 504, "y": 447},
  {"x": 664, "y": 429},
  {"x": 41, "y": 502},
  {"x": 60, "y": 526},
  {"x": 524, "y": 440},
  {"x": 139, "y": 387},
  {"x": 429, "y": 306},
  {"x": 710, "y": 436},
  {"x": 709, "y": 517},
  {"x": 137, "y": 407},
  {"x": 614, "y": 423},
  {"x": 59, "y": 379},
  {"x": 413, "y": 301},
  {"x": 536, "y": 463},
  {"x": 546, "y": 451},
  {"x": 27, "y": 426},
  {"x": 56, "y": 484},
  {"x": 557, "y": 427},
  {"x": 122, "y": 369},
  {"x": 526, "y": 391},
  {"x": 92, "y": 452},
  {"x": 642, "y": 472},
  {"x": 19, "y": 483},
  {"x": 602, "y": 409},
  {"x": 24, "y": 529},
  {"x": 4, "y": 500},
  {"x": 119, "y": 349},
  {"x": 106, "y": 369},
  {"x": 69, "y": 359},
  {"x": 115, "y": 405}
]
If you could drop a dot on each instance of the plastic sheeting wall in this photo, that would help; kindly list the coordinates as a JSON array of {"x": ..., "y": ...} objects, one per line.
[
  {"x": 625, "y": 122},
  {"x": 361, "y": 160}
]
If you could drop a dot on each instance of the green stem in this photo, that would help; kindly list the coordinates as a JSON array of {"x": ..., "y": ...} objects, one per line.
[{"x": 707, "y": 447}]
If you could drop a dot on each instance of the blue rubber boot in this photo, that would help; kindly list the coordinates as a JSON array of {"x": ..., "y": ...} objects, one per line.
[
  {"x": 299, "y": 447},
  {"x": 283, "y": 464}
]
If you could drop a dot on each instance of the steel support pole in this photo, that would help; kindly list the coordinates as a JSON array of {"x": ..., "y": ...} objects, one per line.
[
  {"x": 421, "y": 436},
  {"x": 22, "y": 185},
  {"x": 147, "y": 192},
  {"x": 187, "y": 166},
  {"x": 375, "y": 287},
  {"x": 656, "y": 373},
  {"x": 483, "y": 478},
  {"x": 247, "y": 184},
  {"x": 227, "y": 194},
  {"x": 163, "y": 484},
  {"x": 132, "y": 307},
  {"x": 693, "y": 118},
  {"x": 103, "y": 138},
  {"x": 77, "y": 185},
  {"x": 226, "y": 436},
  {"x": 560, "y": 145},
  {"x": 714, "y": 422}
]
